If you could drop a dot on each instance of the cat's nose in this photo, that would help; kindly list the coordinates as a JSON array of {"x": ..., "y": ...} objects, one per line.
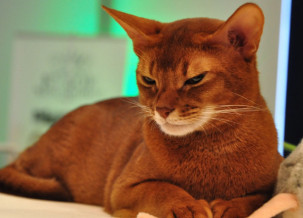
[{"x": 164, "y": 111}]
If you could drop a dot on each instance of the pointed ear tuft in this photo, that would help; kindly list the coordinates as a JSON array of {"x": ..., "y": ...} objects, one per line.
[
  {"x": 142, "y": 31},
  {"x": 243, "y": 30}
]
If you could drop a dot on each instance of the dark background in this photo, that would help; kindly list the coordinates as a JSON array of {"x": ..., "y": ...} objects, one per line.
[{"x": 294, "y": 102}]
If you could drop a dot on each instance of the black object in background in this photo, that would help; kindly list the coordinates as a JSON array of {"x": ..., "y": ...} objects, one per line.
[{"x": 294, "y": 101}]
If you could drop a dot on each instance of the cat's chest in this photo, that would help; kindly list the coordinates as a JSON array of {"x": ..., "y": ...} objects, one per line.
[{"x": 209, "y": 175}]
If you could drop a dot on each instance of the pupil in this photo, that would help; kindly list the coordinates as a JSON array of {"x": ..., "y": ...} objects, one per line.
[
  {"x": 149, "y": 80},
  {"x": 195, "y": 79}
]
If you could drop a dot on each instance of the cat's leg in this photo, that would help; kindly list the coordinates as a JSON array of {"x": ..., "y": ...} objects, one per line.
[
  {"x": 238, "y": 207},
  {"x": 125, "y": 213},
  {"x": 157, "y": 198}
]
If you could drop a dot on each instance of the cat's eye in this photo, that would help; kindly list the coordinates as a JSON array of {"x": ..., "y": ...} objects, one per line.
[
  {"x": 195, "y": 80},
  {"x": 148, "y": 80}
]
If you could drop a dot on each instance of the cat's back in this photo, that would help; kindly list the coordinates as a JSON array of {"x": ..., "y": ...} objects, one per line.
[{"x": 99, "y": 125}]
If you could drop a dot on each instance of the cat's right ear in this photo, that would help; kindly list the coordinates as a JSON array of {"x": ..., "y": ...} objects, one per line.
[{"x": 142, "y": 31}]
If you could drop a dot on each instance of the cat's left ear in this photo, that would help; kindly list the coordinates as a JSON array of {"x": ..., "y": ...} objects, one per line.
[
  {"x": 243, "y": 30},
  {"x": 143, "y": 32}
]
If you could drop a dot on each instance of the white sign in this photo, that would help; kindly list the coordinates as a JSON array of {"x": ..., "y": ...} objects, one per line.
[{"x": 53, "y": 75}]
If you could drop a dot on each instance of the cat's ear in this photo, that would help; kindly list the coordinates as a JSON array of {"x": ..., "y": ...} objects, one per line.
[
  {"x": 243, "y": 30},
  {"x": 142, "y": 31}
]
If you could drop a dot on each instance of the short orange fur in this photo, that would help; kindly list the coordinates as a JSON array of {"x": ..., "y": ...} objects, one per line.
[{"x": 198, "y": 142}]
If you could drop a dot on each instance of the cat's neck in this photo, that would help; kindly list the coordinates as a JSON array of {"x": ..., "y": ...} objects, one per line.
[{"x": 155, "y": 139}]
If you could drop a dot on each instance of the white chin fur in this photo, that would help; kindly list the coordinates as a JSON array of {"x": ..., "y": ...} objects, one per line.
[
  {"x": 177, "y": 130},
  {"x": 178, "y": 127}
]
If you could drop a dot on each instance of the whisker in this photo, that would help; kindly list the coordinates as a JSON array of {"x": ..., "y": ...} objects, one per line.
[
  {"x": 249, "y": 100},
  {"x": 214, "y": 126},
  {"x": 202, "y": 118},
  {"x": 231, "y": 109},
  {"x": 203, "y": 129},
  {"x": 239, "y": 106},
  {"x": 235, "y": 111},
  {"x": 144, "y": 110},
  {"x": 225, "y": 121}
]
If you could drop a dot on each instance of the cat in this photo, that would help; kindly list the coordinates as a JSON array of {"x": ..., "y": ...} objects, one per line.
[{"x": 199, "y": 141}]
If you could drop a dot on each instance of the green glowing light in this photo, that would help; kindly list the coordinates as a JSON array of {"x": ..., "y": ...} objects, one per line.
[
  {"x": 129, "y": 82},
  {"x": 130, "y": 85}
]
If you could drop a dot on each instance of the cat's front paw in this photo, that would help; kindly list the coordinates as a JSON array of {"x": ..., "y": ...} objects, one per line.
[
  {"x": 191, "y": 209},
  {"x": 226, "y": 209}
]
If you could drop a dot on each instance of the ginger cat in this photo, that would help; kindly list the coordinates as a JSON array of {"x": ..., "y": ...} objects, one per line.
[{"x": 199, "y": 142}]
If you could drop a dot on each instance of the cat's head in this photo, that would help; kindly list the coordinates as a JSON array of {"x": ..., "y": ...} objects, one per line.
[{"x": 194, "y": 73}]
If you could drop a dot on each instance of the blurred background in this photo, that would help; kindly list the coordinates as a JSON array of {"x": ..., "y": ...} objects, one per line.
[{"x": 56, "y": 55}]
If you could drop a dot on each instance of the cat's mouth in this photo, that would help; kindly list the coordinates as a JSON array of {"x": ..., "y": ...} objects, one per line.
[{"x": 178, "y": 127}]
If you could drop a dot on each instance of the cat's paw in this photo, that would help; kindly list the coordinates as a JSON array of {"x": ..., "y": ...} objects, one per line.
[
  {"x": 191, "y": 209},
  {"x": 226, "y": 209}
]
